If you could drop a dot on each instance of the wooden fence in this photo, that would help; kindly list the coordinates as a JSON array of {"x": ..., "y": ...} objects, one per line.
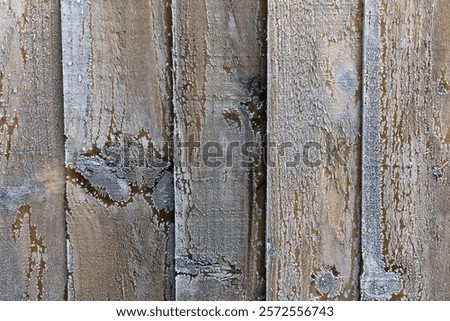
[{"x": 224, "y": 150}]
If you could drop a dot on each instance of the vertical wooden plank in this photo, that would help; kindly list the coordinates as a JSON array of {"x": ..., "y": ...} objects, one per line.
[
  {"x": 314, "y": 149},
  {"x": 117, "y": 91},
  {"x": 219, "y": 59},
  {"x": 406, "y": 185},
  {"x": 376, "y": 282},
  {"x": 32, "y": 229}
]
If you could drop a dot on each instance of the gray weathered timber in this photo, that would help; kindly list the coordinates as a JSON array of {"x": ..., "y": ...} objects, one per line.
[
  {"x": 32, "y": 232},
  {"x": 117, "y": 92},
  {"x": 314, "y": 118},
  {"x": 406, "y": 226},
  {"x": 219, "y": 59},
  {"x": 376, "y": 283}
]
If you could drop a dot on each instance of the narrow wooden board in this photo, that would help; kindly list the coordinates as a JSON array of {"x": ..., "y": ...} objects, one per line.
[
  {"x": 32, "y": 229},
  {"x": 219, "y": 59},
  {"x": 117, "y": 91},
  {"x": 406, "y": 179},
  {"x": 314, "y": 126}
]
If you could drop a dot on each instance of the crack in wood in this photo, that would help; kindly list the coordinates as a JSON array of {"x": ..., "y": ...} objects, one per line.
[{"x": 224, "y": 272}]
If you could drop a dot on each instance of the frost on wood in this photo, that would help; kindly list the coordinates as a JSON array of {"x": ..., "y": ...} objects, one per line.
[
  {"x": 163, "y": 191},
  {"x": 223, "y": 272},
  {"x": 314, "y": 98},
  {"x": 32, "y": 230},
  {"x": 12, "y": 197},
  {"x": 117, "y": 91},
  {"x": 111, "y": 180},
  {"x": 376, "y": 284},
  {"x": 328, "y": 282},
  {"x": 219, "y": 60},
  {"x": 406, "y": 138},
  {"x": 37, "y": 257},
  {"x": 379, "y": 286}
]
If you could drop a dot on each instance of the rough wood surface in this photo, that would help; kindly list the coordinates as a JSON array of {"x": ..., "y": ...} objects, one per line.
[
  {"x": 98, "y": 217},
  {"x": 406, "y": 226},
  {"x": 117, "y": 90},
  {"x": 314, "y": 127},
  {"x": 219, "y": 59},
  {"x": 32, "y": 231}
]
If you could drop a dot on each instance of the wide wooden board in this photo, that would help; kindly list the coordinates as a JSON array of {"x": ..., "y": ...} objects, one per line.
[
  {"x": 313, "y": 208},
  {"x": 406, "y": 223},
  {"x": 32, "y": 228},
  {"x": 219, "y": 61},
  {"x": 118, "y": 115}
]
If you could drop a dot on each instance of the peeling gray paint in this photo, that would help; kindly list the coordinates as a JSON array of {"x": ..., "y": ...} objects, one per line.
[
  {"x": 11, "y": 198},
  {"x": 163, "y": 195},
  {"x": 112, "y": 180},
  {"x": 380, "y": 286},
  {"x": 222, "y": 272}
]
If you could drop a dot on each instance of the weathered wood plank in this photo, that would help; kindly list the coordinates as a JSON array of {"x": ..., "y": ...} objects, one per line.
[
  {"x": 406, "y": 227},
  {"x": 117, "y": 90},
  {"x": 219, "y": 59},
  {"x": 32, "y": 229},
  {"x": 314, "y": 126}
]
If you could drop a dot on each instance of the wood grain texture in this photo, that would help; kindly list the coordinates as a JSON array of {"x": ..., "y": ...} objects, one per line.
[
  {"x": 219, "y": 59},
  {"x": 406, "y": 103},
  {"x": 314, "y": 127},
  {"x": 32, "y": 231},
  {"x": 117, "y": 90}
]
